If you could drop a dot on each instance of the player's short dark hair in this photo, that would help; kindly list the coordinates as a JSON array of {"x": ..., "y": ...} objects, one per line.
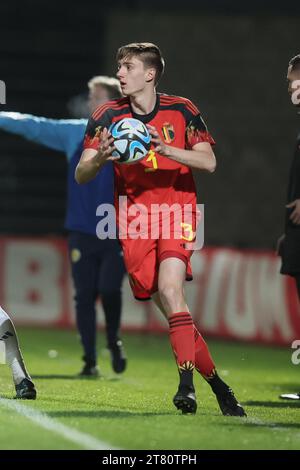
[
  {"x": 294, "y": 63},
  {"x": 147, "y": 52}
]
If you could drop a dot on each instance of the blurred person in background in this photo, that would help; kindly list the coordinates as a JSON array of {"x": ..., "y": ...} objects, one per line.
[
  {"x": 97, "y": 265},
  {"x": 9, "y": 347},
  {"x": 289, "y": 243}
]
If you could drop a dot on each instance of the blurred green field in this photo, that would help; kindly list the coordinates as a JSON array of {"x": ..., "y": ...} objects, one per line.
[{"x": 135, "y": 410}]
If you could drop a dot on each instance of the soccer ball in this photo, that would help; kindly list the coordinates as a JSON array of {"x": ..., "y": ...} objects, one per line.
[{"x": 131, "y": 139}]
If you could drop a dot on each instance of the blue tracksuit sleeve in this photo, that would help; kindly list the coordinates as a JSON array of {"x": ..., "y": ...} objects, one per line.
[{"x": 59, "y": 134}]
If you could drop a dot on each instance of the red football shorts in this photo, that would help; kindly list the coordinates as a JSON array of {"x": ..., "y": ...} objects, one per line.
[{"x": 142, "y": 258}]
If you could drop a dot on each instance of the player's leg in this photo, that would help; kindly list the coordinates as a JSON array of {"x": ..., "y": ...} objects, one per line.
[
  {"x": 170, "y": 288},
  {"x": 85, "y": 274},
  {"x": 204, "y": 363},
  {"x": 13, "y": 356},
  {"x": 111, "y": 273}
]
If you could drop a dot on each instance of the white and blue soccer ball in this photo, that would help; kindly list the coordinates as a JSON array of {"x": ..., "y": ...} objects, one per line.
[{"x": 131, "y": 139}]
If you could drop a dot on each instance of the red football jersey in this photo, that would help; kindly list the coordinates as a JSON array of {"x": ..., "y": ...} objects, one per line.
[
  {"x": 156, "y": 179},
  {"x": 153, "y": 182}
]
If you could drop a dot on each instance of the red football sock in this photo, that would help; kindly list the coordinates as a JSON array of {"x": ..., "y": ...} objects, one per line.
[
  {"x": 182, "y": 339},
  {"x": 203, "y": 360}
]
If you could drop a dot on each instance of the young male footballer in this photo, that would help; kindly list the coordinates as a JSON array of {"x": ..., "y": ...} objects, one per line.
[{"x": 158, "y": 266}]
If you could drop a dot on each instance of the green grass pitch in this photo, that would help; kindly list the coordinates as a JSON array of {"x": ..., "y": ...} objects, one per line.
[{"x": 135, "y": 410}]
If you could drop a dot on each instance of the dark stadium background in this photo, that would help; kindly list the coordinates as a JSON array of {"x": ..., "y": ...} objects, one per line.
[{"x": 229, "y": 57}]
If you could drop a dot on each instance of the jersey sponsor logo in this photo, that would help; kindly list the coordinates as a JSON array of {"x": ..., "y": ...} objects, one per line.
[{"x": 168, "y": 132}]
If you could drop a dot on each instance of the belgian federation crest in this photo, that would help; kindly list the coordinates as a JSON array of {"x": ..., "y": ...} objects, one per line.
[
  {"x": 98, "y": 131},
  {"x": 168, "y": 132}
]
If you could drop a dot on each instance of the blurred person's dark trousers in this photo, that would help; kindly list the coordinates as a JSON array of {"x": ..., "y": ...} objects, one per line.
[{"x": 98, "y": 270}]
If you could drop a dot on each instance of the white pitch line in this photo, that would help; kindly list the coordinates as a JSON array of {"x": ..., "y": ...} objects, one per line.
[{"x": 41, "y": 419}]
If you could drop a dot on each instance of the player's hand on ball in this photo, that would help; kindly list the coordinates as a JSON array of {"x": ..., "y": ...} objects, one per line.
[
  {"x": 106, "y": 147},
  {"x": 295, "y": 215},
  {"x": 160, "y": 146}
]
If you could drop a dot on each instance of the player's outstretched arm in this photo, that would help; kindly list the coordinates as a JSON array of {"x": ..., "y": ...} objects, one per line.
[
  {"x": 58, "y": 134},
  {"x": 91, "y": 160}
]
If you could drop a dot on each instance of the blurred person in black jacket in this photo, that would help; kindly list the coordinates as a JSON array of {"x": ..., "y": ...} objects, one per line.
[{"x": 289, "y": 243}]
